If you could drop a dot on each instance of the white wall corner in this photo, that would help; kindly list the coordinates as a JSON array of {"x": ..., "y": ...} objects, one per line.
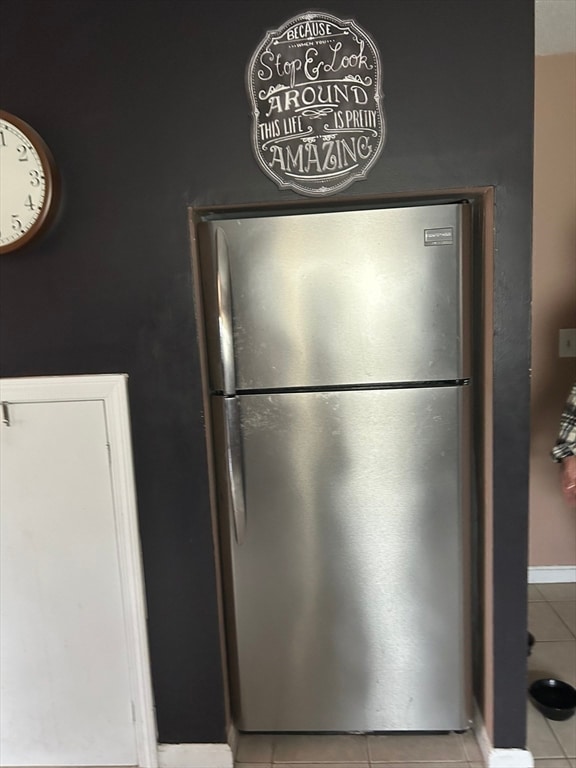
[
  {"x": 499, "y": 758},
  {"x": 511, "y": 758},
  {"x": 551, "y": 574},
  {"x": 195, "y": 756}
]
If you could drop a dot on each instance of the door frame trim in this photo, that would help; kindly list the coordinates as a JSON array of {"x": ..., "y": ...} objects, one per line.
[
  {"x": 112, "y": 391},
  {"x": 482, "y": 200}
]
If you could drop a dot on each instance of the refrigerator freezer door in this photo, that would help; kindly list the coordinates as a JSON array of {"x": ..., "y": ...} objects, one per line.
[
  {"x": 348, "y": 593},
  {"x": 342, "y": 298}
]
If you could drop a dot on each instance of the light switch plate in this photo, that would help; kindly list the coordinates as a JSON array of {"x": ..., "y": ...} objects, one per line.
[{"x": 567, "y": 342}]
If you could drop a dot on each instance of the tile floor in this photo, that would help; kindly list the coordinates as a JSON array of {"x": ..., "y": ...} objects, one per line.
[
  {"x": 552, "y": 621},
  {"x": 454, "y": 750}
]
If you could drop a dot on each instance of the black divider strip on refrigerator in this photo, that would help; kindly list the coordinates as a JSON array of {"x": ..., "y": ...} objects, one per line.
[{"x": 355, "y": 387}]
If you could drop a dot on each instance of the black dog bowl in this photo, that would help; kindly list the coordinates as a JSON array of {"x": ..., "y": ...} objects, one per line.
[{"x": 554, "y": 698}]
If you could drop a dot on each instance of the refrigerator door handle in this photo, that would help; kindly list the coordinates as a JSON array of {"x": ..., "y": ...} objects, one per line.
[
  {"x": 234, "y": 465},
  {"x": 225, "y": 328}
]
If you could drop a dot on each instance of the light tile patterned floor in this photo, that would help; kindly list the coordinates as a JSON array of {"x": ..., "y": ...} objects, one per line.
[
  {"x": 357, "y": 751},
  {"x": 552, "y": 621}
]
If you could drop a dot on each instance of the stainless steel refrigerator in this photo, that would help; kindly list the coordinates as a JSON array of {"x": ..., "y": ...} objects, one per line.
[{"x": 339, "y": 365}]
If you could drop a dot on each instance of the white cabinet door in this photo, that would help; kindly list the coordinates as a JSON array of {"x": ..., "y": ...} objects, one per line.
[{"x": 65, "y": 677}]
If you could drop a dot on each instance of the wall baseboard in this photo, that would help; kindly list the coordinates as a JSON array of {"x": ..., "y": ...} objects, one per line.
[
  {"x": 233, "y": 738},
  {"x": 195, "y": 756},
  {"x": 510, "y": 758},
  {"x": 551, "y": 574},
  {"x": 499, "y": 758}
]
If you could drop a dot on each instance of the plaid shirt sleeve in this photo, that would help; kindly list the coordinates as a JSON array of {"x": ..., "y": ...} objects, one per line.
[{"x": 566, "y": 443}]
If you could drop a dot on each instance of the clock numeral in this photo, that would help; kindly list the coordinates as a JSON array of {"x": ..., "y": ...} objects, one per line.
[
  {"x": 2, "y": 139},
  {"x": 34, "y": 178},
  {"x": 16, "y": 223},
  {"x": 29, "y": 204},
  {"x": 23, "y": 151}
]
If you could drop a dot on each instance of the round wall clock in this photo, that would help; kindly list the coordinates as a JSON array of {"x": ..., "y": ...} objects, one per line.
[{"x": 28, "y": 184}]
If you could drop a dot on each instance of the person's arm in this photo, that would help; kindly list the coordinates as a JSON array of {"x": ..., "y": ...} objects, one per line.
[{"x": 564, "y": 450}]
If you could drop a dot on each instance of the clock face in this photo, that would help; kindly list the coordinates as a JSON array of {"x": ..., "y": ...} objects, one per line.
[{"x": 26, "y": 183}]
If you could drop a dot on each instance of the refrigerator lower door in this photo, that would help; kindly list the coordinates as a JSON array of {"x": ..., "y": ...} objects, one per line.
[{"x": 349, "y": 596}]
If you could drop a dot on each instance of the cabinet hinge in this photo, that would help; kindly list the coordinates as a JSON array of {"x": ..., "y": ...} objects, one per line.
[{"x": 5, "y": 413}]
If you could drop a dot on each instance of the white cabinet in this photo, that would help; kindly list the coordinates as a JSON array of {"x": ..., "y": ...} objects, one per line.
[{"x": 74, "y": 674}]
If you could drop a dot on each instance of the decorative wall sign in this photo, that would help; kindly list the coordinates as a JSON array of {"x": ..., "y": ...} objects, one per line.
[{"x": 317, "y": 117}]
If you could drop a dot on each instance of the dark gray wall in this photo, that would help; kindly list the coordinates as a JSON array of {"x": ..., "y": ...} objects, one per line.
[{"x": 143, "y": 105}]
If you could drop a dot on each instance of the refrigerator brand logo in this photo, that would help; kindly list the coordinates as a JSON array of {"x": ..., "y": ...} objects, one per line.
[
  {"x": 444, "y": 236},
  {"x": 317, "y": 117}
]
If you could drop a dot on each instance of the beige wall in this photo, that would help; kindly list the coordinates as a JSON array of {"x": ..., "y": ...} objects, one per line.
[{"x": 552, "y": 522}]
